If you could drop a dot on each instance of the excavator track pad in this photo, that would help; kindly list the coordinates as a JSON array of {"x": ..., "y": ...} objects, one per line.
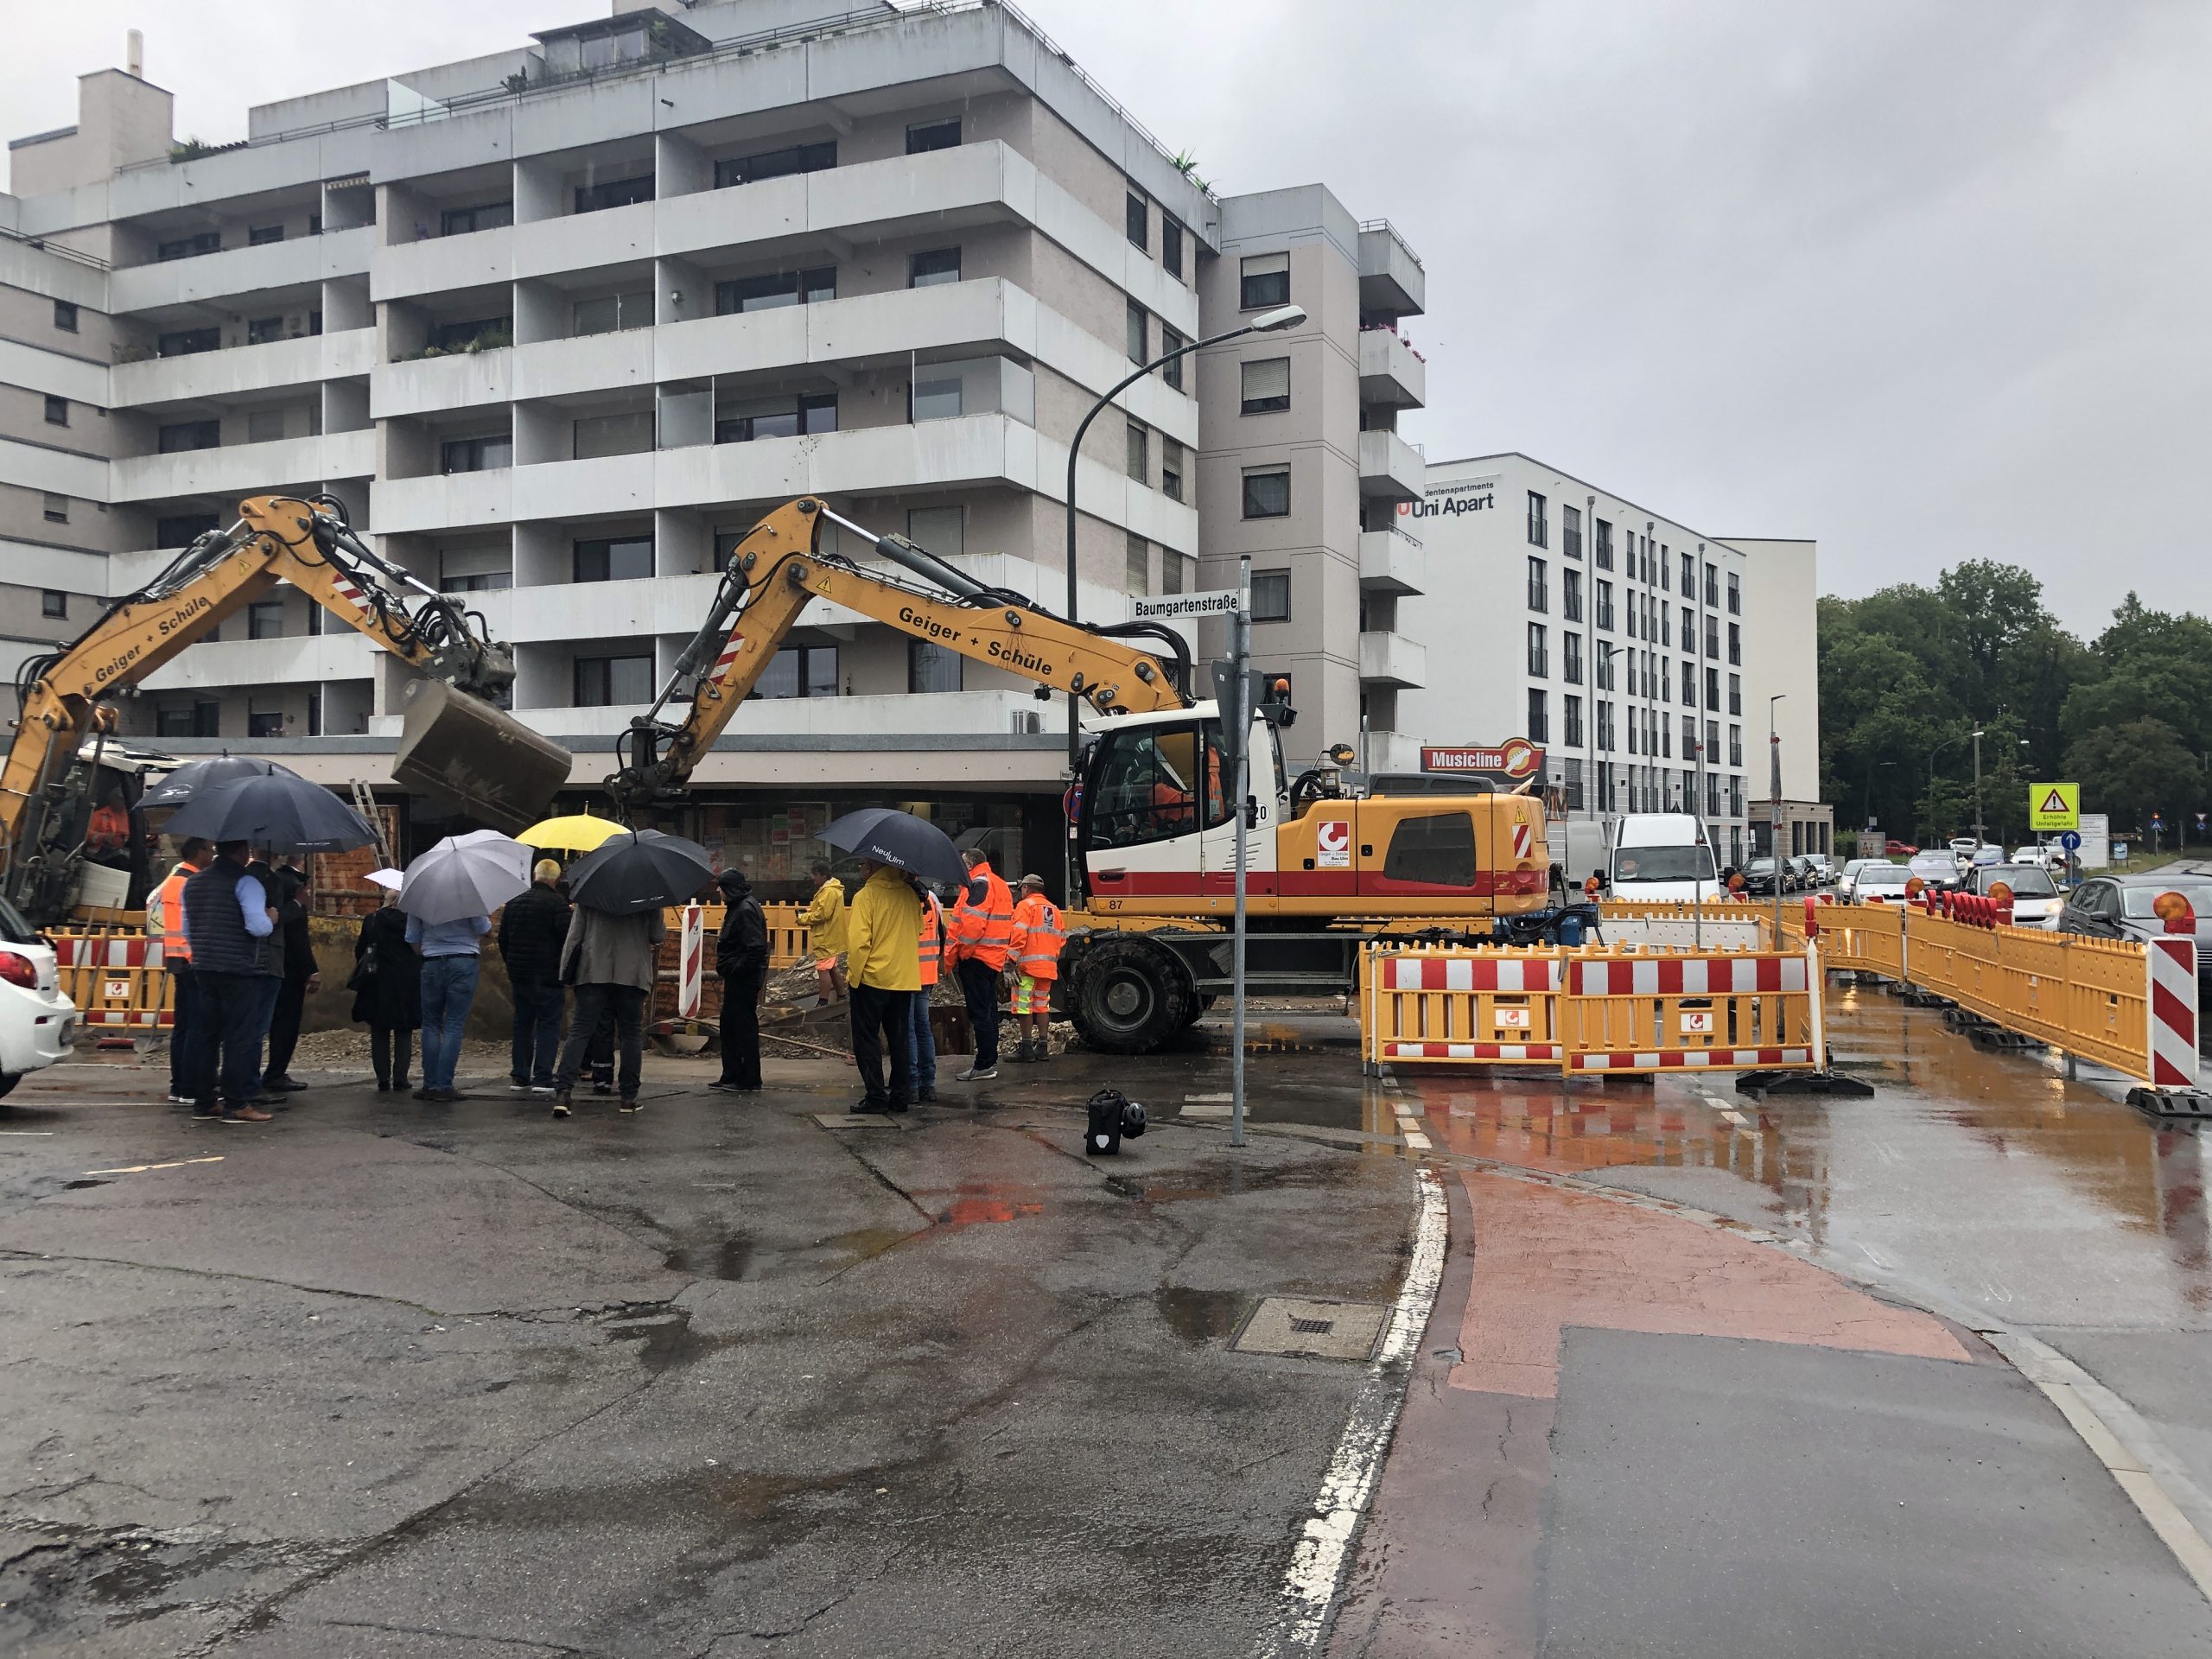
[{"x": 478, "y": 759}]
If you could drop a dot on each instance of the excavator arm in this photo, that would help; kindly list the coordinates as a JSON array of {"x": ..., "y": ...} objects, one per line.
[
  {"x": 778, "y": 568},
  {"x": 277, "y": 538}
]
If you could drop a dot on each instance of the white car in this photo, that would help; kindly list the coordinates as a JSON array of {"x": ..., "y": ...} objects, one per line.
[
  {"x": 37, "y": 1023},
  {"x": 1879, "y": 883},
  {"x": 2036, "y": 902}
]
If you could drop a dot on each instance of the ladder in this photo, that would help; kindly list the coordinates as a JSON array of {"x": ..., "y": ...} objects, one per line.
[{"x": 365, "y": 804}]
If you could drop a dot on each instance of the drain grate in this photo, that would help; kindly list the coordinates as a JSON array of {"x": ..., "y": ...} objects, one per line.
[{"x": 1300, "y": 1325}]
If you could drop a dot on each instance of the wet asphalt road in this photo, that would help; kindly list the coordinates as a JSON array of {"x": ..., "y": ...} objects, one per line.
[{"x": 391, "y": 1378}]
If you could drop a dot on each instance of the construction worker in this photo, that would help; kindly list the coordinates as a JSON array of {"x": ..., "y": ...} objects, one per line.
[
  {"x": 825, "y": 931},
  {"x": 1036, "y": 952},
  {"x": 882, "y": 933},
  {"x": 921, "y": 1041},
  {"x": 165, "y": 922},
  {"x": 978, "y": 938}
]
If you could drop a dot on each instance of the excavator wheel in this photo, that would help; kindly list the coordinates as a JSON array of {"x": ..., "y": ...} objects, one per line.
[{"x": 1127, "y": 997}]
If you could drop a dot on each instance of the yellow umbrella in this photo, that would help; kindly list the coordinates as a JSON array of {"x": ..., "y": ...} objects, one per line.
[{"x": 579, "y": 832}]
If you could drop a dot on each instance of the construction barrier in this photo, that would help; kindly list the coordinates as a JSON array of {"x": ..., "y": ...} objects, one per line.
[
  {"x": 116, "y": 979},
  {"x": 1484, "y": 1005}
]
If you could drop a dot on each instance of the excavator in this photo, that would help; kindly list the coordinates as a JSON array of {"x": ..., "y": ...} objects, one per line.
[
  {"x": 455, "y": 743},
  {"x": 1153, "y": 818}
]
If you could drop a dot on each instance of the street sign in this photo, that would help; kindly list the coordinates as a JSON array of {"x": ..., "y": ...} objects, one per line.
[
  {"x": 2096, "y": 841},
  {"x": 2053, "y": 806},
  {"x": 1167, "y": 607},
  {"x": 1514, "y": 758},
  {"x": 2071, "y": 841}
]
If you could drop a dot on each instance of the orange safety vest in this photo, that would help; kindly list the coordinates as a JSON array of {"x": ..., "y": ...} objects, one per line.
[
  {"x": 983, "y": 932},
  {"x": 170, "y": 896},
  {"x": 1038, "y": 936},
  {"x": 932, "y": 937}
]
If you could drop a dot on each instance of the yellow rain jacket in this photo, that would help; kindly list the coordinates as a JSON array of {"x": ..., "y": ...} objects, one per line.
[
  {"x": 825, "y": 921},
  {"x": 883, "y": 934}
]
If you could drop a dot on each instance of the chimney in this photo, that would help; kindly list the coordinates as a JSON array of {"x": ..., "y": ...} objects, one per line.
[{"x": 134, "y": 54}]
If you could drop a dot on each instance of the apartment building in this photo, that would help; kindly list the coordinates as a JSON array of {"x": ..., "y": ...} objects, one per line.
[
  {"x": 1639, "y": 654},
  {"x": 555, "y": 326}
]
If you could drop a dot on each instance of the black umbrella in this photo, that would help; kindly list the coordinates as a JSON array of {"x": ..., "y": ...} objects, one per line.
[
  {"x": 901, "y": 839},
  {"x": 188, "y": 779},
  {"x": 280, "y": 811},
  {"x": 642, "y": 869}
]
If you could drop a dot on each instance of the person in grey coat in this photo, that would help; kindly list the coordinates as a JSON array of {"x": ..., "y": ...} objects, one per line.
[{"x": 610, "y": 962}]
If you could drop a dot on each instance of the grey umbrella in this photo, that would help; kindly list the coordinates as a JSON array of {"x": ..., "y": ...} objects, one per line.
[
  {"x": 279, "y": 810},
  {"x": 642, "y": 869},
  {"x": 188, "y": 779},
  {"x": 890, "y": 836}
]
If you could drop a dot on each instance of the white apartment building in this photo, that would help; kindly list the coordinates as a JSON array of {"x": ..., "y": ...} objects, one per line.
[
  {"x": 1639, "y": 653},
  {"x": 558, "y": 324}
]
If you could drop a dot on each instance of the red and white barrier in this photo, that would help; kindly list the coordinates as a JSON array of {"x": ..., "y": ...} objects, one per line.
[
  {"x": 2173, "y": 1013},
  {"x": 691, "y": 961}
]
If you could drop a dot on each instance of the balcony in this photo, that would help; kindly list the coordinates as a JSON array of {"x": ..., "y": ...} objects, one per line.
[
  {"x": 1392, "y": 659},
  {"x": 1390, "y": 275},
  {"x": 213, "y": 277},
  {"x": 295, "y": 659},
  {"x": 242, "y": 469},
  {"x": 1390, "y": 468},
  {"x": 1391, "y": 562},
  {"x": 305, "y": 361},
  {"x": 1389, "y": 372}
]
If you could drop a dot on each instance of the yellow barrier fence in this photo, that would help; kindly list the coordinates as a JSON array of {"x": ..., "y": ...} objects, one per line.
[
  {"x": 116, "y": 980},
  {"x": 1495, "y": 1006}
]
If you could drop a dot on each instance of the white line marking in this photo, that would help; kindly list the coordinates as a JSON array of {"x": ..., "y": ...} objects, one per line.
[
  {"x": 1416, "y": 1141},
  {"x": 1735, "y": 1117},
  {"x": 26, "y": 1131},
  {"x": 140, "y": 1169},
  {"x": 1317, "y": 1566}
]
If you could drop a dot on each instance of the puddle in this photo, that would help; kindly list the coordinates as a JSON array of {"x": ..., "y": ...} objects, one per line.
[
  {"x": 1198, "y": 1316},
  {"x": 864, "y": 1242},
  {"x": 962, "y": 1213},
  {"x": 667, "y": 1340},
  {"x": 726, "y": 1259}
]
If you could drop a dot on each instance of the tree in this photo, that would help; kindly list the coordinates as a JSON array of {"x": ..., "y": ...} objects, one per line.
[{"x": 2132, "y": 770}]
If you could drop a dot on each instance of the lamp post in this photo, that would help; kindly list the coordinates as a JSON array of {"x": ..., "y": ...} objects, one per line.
[
  {"x": 1774, "y": 809},
  {"x": 1601, "y": 656},
  {"x": 1267, "y": 322}
]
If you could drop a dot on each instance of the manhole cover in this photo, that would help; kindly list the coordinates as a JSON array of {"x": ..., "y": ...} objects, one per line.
[{"x": 1293, "y": 1325}]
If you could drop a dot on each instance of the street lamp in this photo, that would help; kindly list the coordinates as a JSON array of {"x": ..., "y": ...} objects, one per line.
[
  {"x": 1602, "y": 654},
  {"x": 1774, "y": 810},
  {"x": 1267, "y": 322}
]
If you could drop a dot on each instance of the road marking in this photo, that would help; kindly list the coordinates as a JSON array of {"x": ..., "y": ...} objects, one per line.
[
  {"x": 26, "y": 1131},
  {"x": 1317, "y": 1566},
  {"x": 140, "y": 1169}
]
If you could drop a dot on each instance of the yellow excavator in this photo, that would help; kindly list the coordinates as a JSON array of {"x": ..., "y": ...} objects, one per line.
[
  {"x": 1152, "y": 814},
  {"x": 456, "y": 742}
]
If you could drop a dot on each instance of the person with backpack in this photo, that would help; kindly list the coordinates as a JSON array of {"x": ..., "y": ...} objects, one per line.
[{"x": 742, "y": 961}]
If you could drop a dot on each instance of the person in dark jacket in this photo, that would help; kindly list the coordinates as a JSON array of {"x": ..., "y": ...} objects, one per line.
[
  {"x": 227, "y": 918},
  {"x": 279, "y": 888},
  {"x": 388, "y": 992},
  {"x": 533, "y": 929},
  {"x": 300, "y": 975},
  {"x": 741, "y": 961}
]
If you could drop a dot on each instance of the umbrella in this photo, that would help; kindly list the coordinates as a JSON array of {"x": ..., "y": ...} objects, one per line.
[
  {"x": 391, "y": 878},
  {"x": 899, "y": 839},
  {"x": 579, "y": 832},
  {"x": 188, "y": 779},
  {"x": 465, "y": 875},
  {"x": 280, "y": 811},
  {"x": 639, "y": 869}
]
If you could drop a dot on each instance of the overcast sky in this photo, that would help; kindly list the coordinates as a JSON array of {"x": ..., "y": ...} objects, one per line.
[{"x": 1925, "y": 280}]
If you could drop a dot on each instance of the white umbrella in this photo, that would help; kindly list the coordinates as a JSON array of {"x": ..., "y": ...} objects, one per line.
[
  {"x": 393, "y": 878},
  {"x": 466, "y": 875}
]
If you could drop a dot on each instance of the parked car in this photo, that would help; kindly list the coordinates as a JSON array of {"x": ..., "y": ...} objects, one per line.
[
  {"x": 1879, "y": 883},
  {"x": 37, "y": 1023},
  {"x": 1823, "y": 866},
  {"x": 2120, "y": 907},
  {"x": 1899, "y": 849},
  {"x": 1937, "y": 869},
  {"x": 2036, "y": 902},
  {"x": 1761, "y": 876}
]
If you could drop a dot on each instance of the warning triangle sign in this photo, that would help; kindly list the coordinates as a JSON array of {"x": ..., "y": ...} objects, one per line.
[{"x": 2054, "y": 802}]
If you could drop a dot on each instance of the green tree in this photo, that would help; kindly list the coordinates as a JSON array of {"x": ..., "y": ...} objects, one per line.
[{"x": 2132, "y": 770}]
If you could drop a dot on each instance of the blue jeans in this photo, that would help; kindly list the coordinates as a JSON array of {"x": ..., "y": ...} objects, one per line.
[
  {"x": 537, "y": 1033},
  {"x": 267, "y": 989},
  {"x": 921, "y": 1041},
  {"x": 449, "y": 986}
]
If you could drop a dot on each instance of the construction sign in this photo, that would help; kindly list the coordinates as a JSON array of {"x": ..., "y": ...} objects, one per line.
[{"x": 2053, "y": 806}]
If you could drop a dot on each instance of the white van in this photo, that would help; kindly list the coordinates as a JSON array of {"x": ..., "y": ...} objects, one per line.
[{"x": 1663, "y": 858}]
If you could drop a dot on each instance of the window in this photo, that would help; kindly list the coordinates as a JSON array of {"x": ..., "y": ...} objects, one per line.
[
  {"x": 936, "y": 265},
  {"x": 1604, "y": 611},
  {"x": 1148, "y": 783},
  {"x": 1263, "y": 280},
  {"x": 932, "y": 135},
  {"x": 1570, "y": 659},
  {"x": 466, "y": 570},
  {"x": 1267, "y": 492},
  {"x": 615, "y": 558},
  {"x": 616, "y": 193},
  {"x": 1736, "y": 643},
  {"x": 484, "y": 216},
  {"x": 1135, "y": 332},
  {"x": 933, "y": 668},
  {"x": 630, "y": 433},
  {"x": 1135, "y": 220},
  {"x": 183, "y": 342},
  {"x": 190, "y": 247},
  {"x": 1539, "y": 658},
  {"x": 53, "y": 604},
  {"x": 1171, "y": 470},
  {"x": 1170, "y": 246},
  {"x": 57, "y": 410},
  {"x": 315, "y": 228},
  {"x": 1140, "y": 565},
  {"x": 65, "y": 315},
  {"x": 1539, "y": 600},
  {"x": 261, "y": 236},
  {"x": 1271, "y": 596},
  {"x": 1540, "y": 725},
  {"x": 1602, "y": 554},
  {"x": 788, "y": 416},
  {"x": 1171, "y": 371},
  {"x": 176, "y": 723},
  {"x": 1602, "y": 656},
  {"x": 264, "y": 620},
  {"x": 936, "y": 400},
  {"x": 1689, "y": 575},
  {"x": 477, "y": 454},
  {"x": 611, "y": 313},
  {"x": 1140, "y": 466},
  {"x": 181, "y": 435},
  {"x": 1571, "y": 722},
  {"x": 610, "y": 682},
  {"x": 941, "y": 531},
  {"x": 1535, "y": 520},
  {"x": 1735, "y": 595},
  {"x": 314, "y": 702},
  {"x": 264, "y": 425},
  {"x": 482, "y": 333},
  {"x": 1604, "y": 724},
  {"x": 1667, "y": 678},
  {"x": 1171, "y": 572},
  {"x": 1570, "y": 595},
  {"x": 1570, "y": 531},
  {"x": 183, "y": 529},
  {"x": 260, "y": 331},
  {"x": 1266, "y": 385},
  {"x": 809, "y": 287},
  {"x": 265, "y": 723},
  {"x": 314, "y": 322},
  {"x": 1735, "y": 746},
  {"x": 778, "y": 163},
  {"x": 1437, "y": 849},
  {"x": 1712, "y": 586},
  {"x": 1735, "y": 693},
  {"x": 799, "y": 672},
  {"x": 1711, "y": 637}
]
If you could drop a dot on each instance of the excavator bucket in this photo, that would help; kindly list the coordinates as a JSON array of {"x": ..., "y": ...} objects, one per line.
[{"x": 481, "y": 759}]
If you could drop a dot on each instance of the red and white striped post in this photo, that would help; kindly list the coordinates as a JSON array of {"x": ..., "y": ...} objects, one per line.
[{"x": 692, "y": 958}]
